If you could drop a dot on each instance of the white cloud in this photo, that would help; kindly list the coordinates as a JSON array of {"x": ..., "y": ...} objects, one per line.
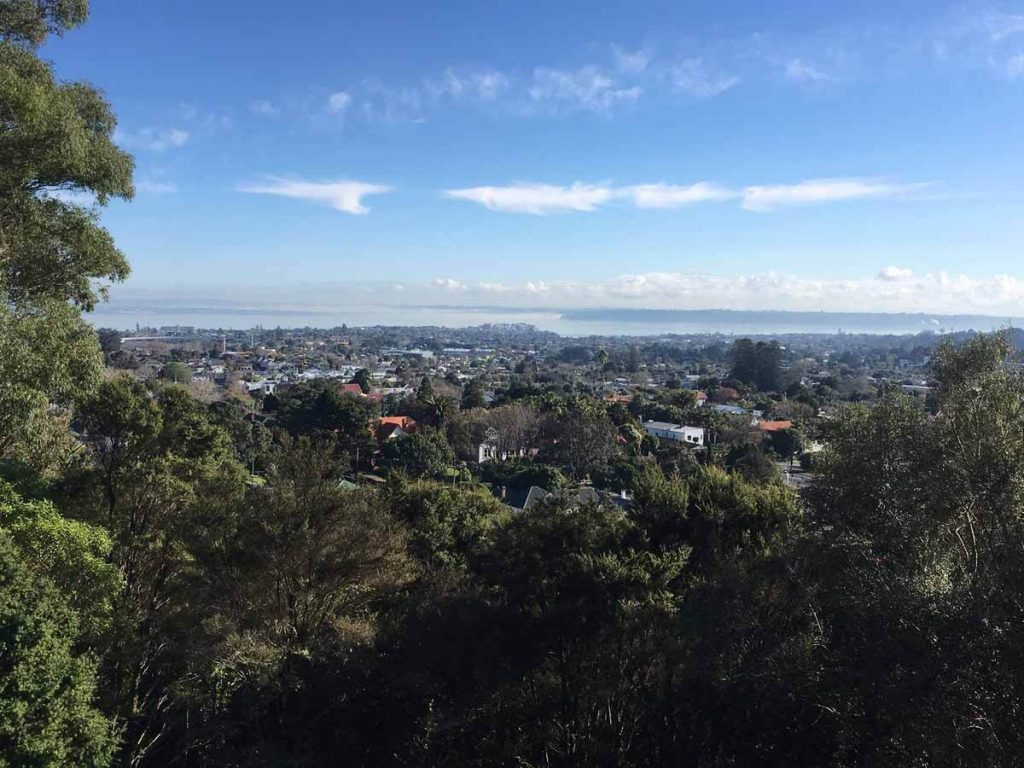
[
  {"x": 632, "y": 62},
  {"x": 264, "y": 108},
  {"x": 538, "y": 199},
  {"x": 768, "y": 198},
  {"x": 800, "y": 71},
  {"x": 1002, "y": 25},
  {"x": 346, "y": 196},
  {"x": 1015, "y": 66},
  {"x": 338, "y": 102},
  {"x": 692, "y": 77},
  {"x": 152, "y": 139},
  {"x": 587, "y": 88},
  {"x": 673, "y": 196},
  {"x": 152, "y": 187},
  {"x": 485, "y": 84},
  {"x": 893, "y": 274},
  {"x": 933, "y": 292}
]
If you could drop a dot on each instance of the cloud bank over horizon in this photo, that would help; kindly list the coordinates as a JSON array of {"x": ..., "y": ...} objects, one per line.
[{"x": 893, "y": 289}]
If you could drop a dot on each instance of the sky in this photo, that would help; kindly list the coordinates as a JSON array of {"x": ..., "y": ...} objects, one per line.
[{"x": 730, "y": 154}]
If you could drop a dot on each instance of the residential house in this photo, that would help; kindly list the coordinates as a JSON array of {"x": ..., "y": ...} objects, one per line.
[{"x": 676, "y": 432}]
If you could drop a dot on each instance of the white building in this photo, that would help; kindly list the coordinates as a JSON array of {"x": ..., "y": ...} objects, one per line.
[{"x": 677, "y": 432}]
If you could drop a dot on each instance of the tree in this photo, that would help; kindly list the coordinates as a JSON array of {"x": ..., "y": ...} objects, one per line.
[
  {"x": 426, "y": 389},
  {"x": 110, "y": 340},
  {"x": 47, "y": 689},
  {"x": 581, "y": 439},
  {"x": 633, "y": 360},
  {"x": 362, "y": 378},
  {"x": 71, "y": 554},
  {"x": 54, "y": 257},
  {"x": 425, "y": 453},
  {"x": 176, "y": 372},
  {"x": 320, "y": 408},
  {"x": 473, "y": 394},
  {"x": 757, "y": 365},
  {"x": 288, "y": 602},
  {"x": 516, "y": 427},
  {"x": 749, "y": 461}
]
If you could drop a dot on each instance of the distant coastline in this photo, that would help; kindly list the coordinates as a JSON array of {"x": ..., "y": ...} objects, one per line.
[{"x": 606, "y": 321}]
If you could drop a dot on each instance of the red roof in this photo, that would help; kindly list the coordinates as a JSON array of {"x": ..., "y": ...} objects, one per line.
[
  {"x": 404, "y": 423},
  {"x": 352, "y": 389},
  {"x": 774, "y": 426}
]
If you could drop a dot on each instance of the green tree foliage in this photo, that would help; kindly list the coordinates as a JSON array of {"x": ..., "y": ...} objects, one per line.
[
  {"x": 920, "y": 599},
  {"x": 176, "y": 372},
  {"x": 323, "y": 409},
  {"x": 757, "y": 365},
  {"x": 748, "y": 460},
  {"x": 71, "y": 554},
  {"x": 287, "y": 603},
  {"x": 425, "y": 390},
  {"x": 425, "y": 453},
  {"x": 362, "y": 378},
  {"x": 448, "y": 527},
  {"x": 252, "y": 440},
  {"x": 473, "y": 394},
  {"x": 54, "y": 256},
  {"x": 48, "y": 715},
  {"x": 581, "y": 437},
  {"x": 163, "y": 482}
]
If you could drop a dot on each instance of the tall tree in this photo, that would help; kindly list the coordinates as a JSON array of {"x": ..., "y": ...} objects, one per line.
[{"x": 55, "y": 259}]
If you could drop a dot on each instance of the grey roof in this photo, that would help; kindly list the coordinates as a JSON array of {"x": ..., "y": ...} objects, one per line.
[{"x": 660, "y": 425}]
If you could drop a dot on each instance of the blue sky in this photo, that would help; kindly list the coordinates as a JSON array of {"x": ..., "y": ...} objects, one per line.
[{"x": 731, "y": 154}]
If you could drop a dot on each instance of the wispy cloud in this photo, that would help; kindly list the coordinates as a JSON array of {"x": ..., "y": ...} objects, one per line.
[
  {"x": 800, "y": 71},
  {"x": 769, "y": 198},
  {"x": 152, "y": 139},
  {"x": 541, "y": 199},
  {"x": 692, "y": 76},
  {"x": 338, "y": 102},
  {"x": 674, "y": 196},
  {"x": 1015, "y": 66},
  {"x": 484, "y": 84},
  {"x": 264, "y": 108},
  {"x": 587, "y": 89},
  {"x": 154, "y": 187},
  {"x": 632, "y": 62},
  {"x": 538, "y": 199},
  {"x": 343, "y": 195}
]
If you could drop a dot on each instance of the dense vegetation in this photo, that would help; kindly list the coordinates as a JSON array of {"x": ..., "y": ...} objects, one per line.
[{"x": 182, "y": 583}]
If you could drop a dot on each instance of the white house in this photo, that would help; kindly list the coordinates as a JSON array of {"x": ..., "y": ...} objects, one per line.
[{"x": 677, "y": 432}]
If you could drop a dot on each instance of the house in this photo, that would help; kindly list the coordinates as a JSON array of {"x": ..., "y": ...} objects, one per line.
[
  {"x": 523, "y": 499},
  {"x": 352, "y": 389},
  {"x": 264, "y": 386},
  {"x": 488, "y": 451},
  {"x": 731, "y": 410},
  {"x": 774, "y": 426},
  {"x": 700, "y": 398},
  {"x": 677, "y": 432},
  {"x": 391, "y": 427}
]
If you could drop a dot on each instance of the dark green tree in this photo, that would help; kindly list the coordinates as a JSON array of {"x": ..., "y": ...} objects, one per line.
[{"x": 425, "y": 453}]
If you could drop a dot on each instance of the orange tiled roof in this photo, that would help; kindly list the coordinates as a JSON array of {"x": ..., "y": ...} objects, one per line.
[{"x": 774, "y": 426}]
